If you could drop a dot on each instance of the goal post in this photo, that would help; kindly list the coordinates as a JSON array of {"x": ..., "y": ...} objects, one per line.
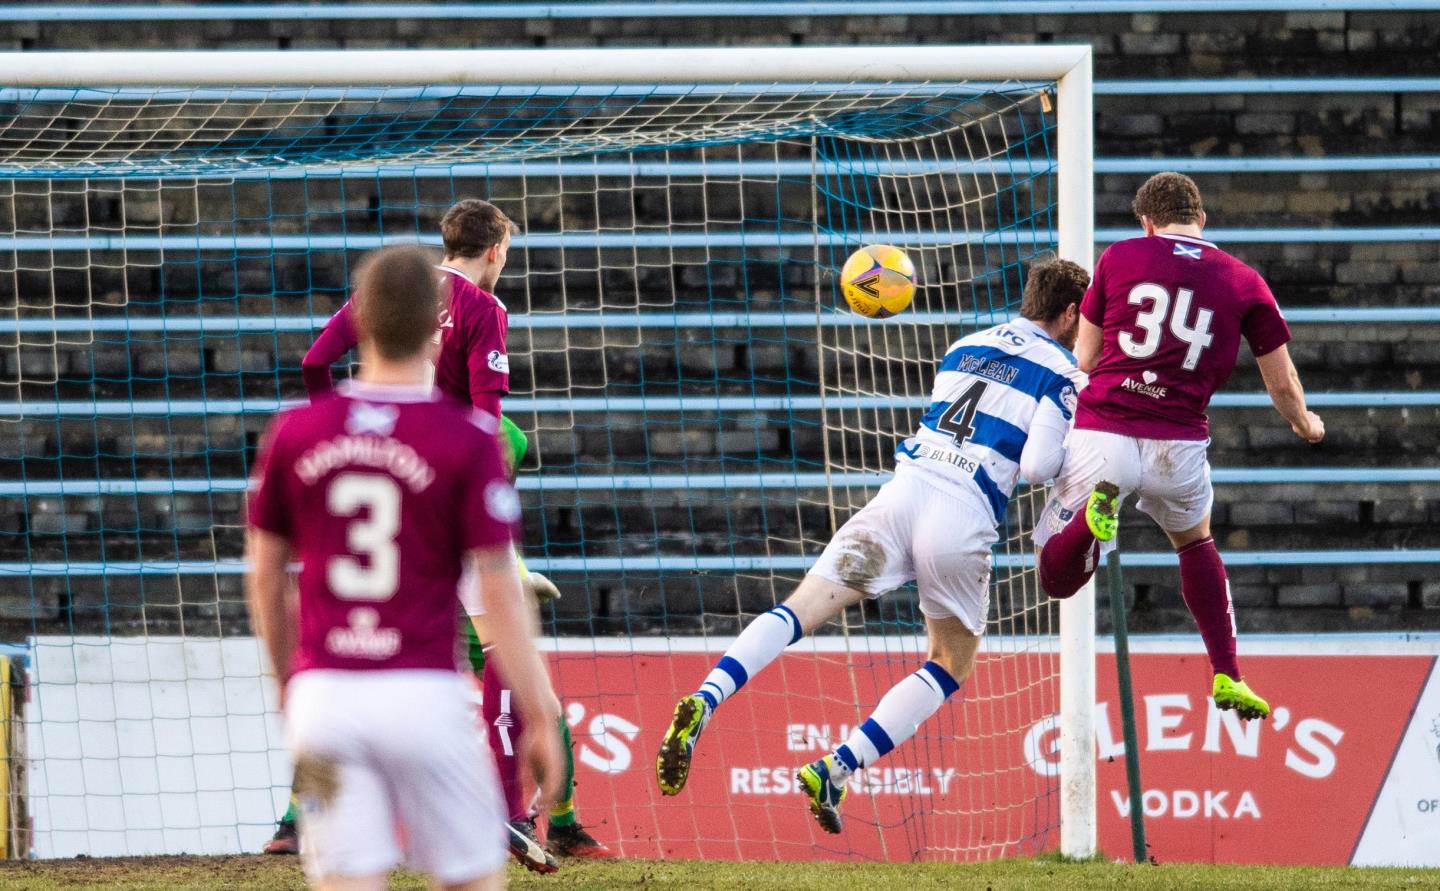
[
  {"x": 690, "y": 204},
  {"x": 1078, "y": 826}
]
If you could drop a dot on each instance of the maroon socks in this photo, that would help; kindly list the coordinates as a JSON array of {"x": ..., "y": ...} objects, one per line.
[
  {"x": 1069, "y": 558},
  {"x": 1071, "y": 555},
  {"x": 503, "y": 727},
  {"x": 1207, "y": 594}
]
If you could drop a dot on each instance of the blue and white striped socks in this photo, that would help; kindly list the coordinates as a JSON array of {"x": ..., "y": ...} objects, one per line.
[
  {"x": 756, "y": 647},
  {"x": 897, "y": 717}
]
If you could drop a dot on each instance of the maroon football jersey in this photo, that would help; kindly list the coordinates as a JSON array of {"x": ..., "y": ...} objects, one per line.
[
  {"x": 381, "y": 491},
  {"x": 1172, "y": 309},
  {"x": 473, "y": 367},
  {"x": 337, "y": 338}
]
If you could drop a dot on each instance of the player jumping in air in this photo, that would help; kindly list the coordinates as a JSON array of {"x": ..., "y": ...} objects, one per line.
[
  {"x": 1159, "y": 334},
  {"x": 384, "y": 493},
  {"x": 472, "y": 366},
  {"x": 1001, "y": 407}
]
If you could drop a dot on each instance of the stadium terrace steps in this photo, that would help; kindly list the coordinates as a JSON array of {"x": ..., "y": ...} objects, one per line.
[
  {"x": 627, "y": 361},
  {"x": 1250, "y": 48},
  {"x": 604, "y": 603},
  {"x": 1303, "y": 272},
  {"x": 201, "y": 526},
  {"x": 1127, "y": 45},
  {"x": 740, "y": 442}
]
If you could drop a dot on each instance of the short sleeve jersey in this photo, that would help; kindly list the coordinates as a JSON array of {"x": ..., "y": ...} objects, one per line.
[
  {"x": 381, "y": 491},
  {"x": 1172, "y": 310},
  {"x": 472, "y": 359}
]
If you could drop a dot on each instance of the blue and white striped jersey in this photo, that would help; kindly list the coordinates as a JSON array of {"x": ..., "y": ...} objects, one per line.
[{"x": 990, "y": 387}]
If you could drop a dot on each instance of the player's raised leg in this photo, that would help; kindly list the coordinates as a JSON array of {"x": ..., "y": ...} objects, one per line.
[
  {"x": 1081, "y": 517},
  {"x": 900, "y": 713},
  {"x": 950, "y": 533},
  {"x": 1176, "y": 492},
  {"x": 814, "y": 602},
  {"x": 1072, "y": 555}
]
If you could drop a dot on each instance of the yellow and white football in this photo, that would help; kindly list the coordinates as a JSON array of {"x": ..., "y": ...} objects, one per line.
[{"x": 878, "y": 281}]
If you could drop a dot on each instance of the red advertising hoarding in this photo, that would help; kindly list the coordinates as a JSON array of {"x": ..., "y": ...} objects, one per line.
[{"x": 981, "y": 779}]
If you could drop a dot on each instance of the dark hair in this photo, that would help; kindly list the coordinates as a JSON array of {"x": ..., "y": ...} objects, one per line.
[
  {"x": 1169, "y": 198},
  {"x": 472, "y": 227},
  {"x": 397, "y": 299},
  {"x": 1050, "y": 287}
]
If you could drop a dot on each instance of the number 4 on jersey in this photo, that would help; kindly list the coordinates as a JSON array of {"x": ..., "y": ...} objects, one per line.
[
  {"x": 956, "y": 420},
  {"x": 1196, "y": 337}
]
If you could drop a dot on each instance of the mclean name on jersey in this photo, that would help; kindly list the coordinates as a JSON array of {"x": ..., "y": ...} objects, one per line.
[{"x": 995, "y": 369}]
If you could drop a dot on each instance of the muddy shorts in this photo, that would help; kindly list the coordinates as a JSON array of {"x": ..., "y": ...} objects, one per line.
[
  {"x": 913, "y": 529},
  {"x": 389, "y": 770}
]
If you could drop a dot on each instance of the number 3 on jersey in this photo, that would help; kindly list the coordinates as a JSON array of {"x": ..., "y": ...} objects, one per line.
[
  {"x": 371, "y": 537},
  {"x": 1197, "y": 337}
]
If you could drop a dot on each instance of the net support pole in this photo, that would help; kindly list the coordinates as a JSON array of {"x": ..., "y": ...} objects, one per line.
[
  {"x": 1127, "y": 705},
  {"x": 1076, "y": 174}
]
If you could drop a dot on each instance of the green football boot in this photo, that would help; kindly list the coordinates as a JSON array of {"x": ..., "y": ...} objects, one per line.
[
  {"x": 1237, "y": 695},
  {"x": 825, "y": 797},
  {"x": 672, "y": 765},
  {"x": 1102, "y": 511}
]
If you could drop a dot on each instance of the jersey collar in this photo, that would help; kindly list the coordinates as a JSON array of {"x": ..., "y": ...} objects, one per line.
[
  {"x": 1188, "y": 239},
  {"x": 453, "y": 271},
  {"x": 372, "y": 392},
  {"x": 1035, "y": 329}
]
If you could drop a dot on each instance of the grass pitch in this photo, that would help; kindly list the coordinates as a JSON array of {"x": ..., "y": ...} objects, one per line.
[{"x": 275, "y": 873}]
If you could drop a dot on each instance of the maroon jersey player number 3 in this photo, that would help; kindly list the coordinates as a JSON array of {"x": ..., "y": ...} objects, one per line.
[
  {"x": 380, "y": 490},
  {"x": 387, "y": 493}
]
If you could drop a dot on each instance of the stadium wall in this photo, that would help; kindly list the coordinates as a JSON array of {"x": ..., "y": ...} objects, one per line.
[{"x": 171, "y": 746}]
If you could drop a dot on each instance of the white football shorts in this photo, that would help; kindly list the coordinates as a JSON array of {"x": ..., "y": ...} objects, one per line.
[
  {"x": 390, "y": 768},
  {"x": 1171, "y": 476},
  {"x": 911, "y": 529}
]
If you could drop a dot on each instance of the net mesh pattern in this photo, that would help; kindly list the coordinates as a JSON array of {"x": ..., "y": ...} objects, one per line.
[{"x": 703, "y": 413}]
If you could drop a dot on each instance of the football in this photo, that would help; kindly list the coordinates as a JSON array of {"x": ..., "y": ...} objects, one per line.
[{"x": 878, "y": 281}]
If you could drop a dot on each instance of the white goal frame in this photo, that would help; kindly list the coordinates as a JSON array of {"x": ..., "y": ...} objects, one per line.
[{"x": 1069, "y": 66}]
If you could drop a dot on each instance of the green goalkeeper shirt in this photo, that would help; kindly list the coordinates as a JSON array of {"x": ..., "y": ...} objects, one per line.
[{"x": 514, "y": 446}]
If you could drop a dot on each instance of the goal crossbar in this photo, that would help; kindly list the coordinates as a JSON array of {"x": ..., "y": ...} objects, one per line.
[{"x": 551, "y": 66}]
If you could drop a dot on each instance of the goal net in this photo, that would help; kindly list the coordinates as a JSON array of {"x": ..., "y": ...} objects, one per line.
[{"x": 702, "y": 409}]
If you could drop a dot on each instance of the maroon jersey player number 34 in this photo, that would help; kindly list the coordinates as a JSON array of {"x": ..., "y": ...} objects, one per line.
[{"x": 1160, "y": 332}]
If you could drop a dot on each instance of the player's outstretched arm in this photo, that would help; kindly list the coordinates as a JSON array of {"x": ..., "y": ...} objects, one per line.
[
  {"x": 267, "y": 594},
  {"x": 1283, "y": 383},
  {"x": 1044, "y": 451},
  {"x": 509, "y": 623},
  {"x": 336, "y": 339}
]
